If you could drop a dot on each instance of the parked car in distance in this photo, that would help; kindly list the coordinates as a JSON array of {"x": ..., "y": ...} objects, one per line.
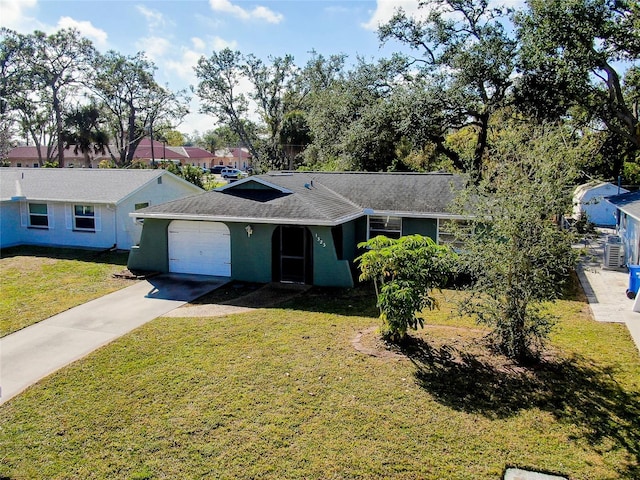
[
  {"x": 233, "y": 173},
  {"x": 217, "y": 169}
]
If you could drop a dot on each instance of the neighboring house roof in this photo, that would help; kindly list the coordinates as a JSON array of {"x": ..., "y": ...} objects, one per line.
[
  {"x": 28, "y": 152},
  {"x": 317, "y": 198},
  {"x": 197, "y": 152},
  {"x": 241, "y": 152},
  {"x": 628, "y": 203},
  {"x": 89, "y": 185},
  {"x": 143, "y": 151},
  {"x": 160, "y": 151},
  {"x": 581, "y": 190}
]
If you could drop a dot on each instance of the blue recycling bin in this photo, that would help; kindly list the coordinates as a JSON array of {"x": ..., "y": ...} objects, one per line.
[{"x": 634, "y": 280}]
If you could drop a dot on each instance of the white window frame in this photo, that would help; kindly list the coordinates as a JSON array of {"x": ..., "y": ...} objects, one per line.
[
  {"x": 388, "y": 232},
  {"x": 84, "y": 216},
  {"x": 31, "y": 214},
  {"x": 446, "y": 237}
]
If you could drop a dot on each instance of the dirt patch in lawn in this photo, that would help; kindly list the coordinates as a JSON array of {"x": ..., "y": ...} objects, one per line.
[{"x": 453, "y": 344}]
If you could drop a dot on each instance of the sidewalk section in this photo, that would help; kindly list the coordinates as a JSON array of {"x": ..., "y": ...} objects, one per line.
[{"x": 606, "y": 290}]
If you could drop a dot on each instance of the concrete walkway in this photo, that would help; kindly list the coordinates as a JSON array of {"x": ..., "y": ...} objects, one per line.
[
  {"x": 606, "y": 291},
  {"x": 34, "y": 352}
]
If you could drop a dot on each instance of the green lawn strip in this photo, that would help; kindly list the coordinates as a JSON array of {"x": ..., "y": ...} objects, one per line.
[
  {"x": 40, "y": 282},
  {"x": 282, "y": 393}
]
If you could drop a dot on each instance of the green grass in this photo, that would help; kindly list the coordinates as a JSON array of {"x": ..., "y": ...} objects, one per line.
[
  {"x": 40, "y": 282},
  {"x": 283, "y": 394}
]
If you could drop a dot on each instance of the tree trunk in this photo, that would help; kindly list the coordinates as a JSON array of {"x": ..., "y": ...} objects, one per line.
[
  {"x": 481, "y": 145},
  {"x": 58, "y": 114}
]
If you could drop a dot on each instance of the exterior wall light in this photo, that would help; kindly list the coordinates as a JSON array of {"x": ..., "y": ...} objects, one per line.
[{"x": 249, "y": 230}]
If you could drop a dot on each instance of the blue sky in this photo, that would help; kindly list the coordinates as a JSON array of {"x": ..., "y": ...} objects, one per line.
[{"x": 176, "y": 33}]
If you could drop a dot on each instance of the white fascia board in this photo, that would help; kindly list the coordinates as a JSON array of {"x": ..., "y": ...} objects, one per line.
[
  {"x": 219, "y": 218},
  {"x": 627, "y": 212},
  {"x": 394, "y": 213}
]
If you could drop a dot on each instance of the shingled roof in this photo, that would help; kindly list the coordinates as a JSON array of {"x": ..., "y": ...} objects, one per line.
[
  {"x": 629, "y": 203},
  {"x": 75, "y": 184},
  {"x": 317, "y": 198}
]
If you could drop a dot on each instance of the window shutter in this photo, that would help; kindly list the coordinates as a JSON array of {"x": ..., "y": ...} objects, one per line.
[
  {"x": 68, "y": 216},
  {"x": 98, "y": 218},
  {"x": 24, "y": 215},
  {"x": 50, "y": 215}
]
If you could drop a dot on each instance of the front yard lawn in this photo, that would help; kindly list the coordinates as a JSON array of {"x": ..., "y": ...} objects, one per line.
[
  {"x": 284, "y": 393},
  {"x": 39, "y": 282}
]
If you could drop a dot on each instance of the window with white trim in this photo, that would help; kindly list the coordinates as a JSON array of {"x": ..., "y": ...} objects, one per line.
[
  {"x": 385, "y": 225},
  {"x": 38, "y": 215},
  {"x": 453, "y": 232},
  {"x": 84, "y": 218}
]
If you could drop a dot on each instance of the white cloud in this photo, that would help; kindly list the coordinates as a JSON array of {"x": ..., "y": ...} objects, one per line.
[
  {"x": 217, "y": 44},
  {"x": 86, "y": 29},
  {"x": 155, "y": 19},
  {"x": 385, "y": 9},
  {"x": 198, "y": 43},
  {"x": 183, "y": 66},
  {"x": 260, "y": 12},
  {"x": 14, "y": 14},
  {"x": 153, "y": 47}
]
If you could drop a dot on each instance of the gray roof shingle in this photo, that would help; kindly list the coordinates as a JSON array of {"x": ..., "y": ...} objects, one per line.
[
  {"x": 627, "y": 202},
  {"x": 73, "y": 184},
  {"x": 318, "y": 198}
]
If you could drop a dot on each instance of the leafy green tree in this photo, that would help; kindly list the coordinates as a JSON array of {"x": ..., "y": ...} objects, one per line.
[
  {"x": 12, "y": 83},
  {"x": 192, "y": 174},
  {"x": 572, "y": 54},
  {"x": 294, "y": 136},
  {"x": 351, "y": 118},
  {"x": 60, "y": 64},
  {"x": 404, "y": 272},
  {"x": 173, "y": 138},
  {"x": 135, "y": 104},
  {"x": 512, "y": 243},
  {"x": 84, "y": 130},
  {"x": 466, "y": 65},
  {"x": 219, "y": 79}
]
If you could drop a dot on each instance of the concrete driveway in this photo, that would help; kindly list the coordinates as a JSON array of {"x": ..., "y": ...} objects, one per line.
[
  {"x": 34, "y": 352},
  {"x": 606, "y": 290}
]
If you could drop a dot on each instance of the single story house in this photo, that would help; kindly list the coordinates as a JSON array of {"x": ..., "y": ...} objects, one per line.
[
  {"x": 147, "y": 152},
  {"x": 27, "y": 156},
  {"x": 300, "y": 227},
  {"x": 588, "y": 199},
  {"x": 236, "y": 157},
  {"x": 81, "y": 207},
  {"x": 628, "y": 225}
]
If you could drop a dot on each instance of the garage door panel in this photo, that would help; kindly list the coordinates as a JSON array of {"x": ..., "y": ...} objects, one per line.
[{"x": 199, "y": 247}]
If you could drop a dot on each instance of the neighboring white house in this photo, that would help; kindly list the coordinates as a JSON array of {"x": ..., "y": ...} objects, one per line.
[
  {"x": 81, "y": 207},
  {"x": 628, "y": 206},
  {"x": 588, "y": 199}
]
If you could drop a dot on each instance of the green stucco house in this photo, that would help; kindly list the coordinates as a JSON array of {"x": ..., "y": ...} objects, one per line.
[{"x": 300, "y": 227}]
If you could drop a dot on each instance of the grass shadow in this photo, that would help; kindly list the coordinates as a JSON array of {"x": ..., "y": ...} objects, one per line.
[
  {"x": 573, "y": 390},
  {"x": 116, "y": 257}
]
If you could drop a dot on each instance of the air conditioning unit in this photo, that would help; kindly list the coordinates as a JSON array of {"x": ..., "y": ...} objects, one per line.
[{"x": 613, "y": 252}]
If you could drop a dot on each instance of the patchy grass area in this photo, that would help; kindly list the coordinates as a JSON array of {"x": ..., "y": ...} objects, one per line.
[
  {"x": 282, "y": 393},
  {"x": 39, "y": 282}
]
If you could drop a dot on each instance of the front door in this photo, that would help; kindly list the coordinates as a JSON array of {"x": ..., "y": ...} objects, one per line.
[{"x": 292, "y": 255}]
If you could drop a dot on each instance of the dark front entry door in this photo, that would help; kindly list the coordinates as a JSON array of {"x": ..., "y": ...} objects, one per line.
[{"x": 292, "y": 255}]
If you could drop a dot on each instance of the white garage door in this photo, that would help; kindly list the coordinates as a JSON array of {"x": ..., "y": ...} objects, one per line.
[{"x": 203, "y": 248}]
